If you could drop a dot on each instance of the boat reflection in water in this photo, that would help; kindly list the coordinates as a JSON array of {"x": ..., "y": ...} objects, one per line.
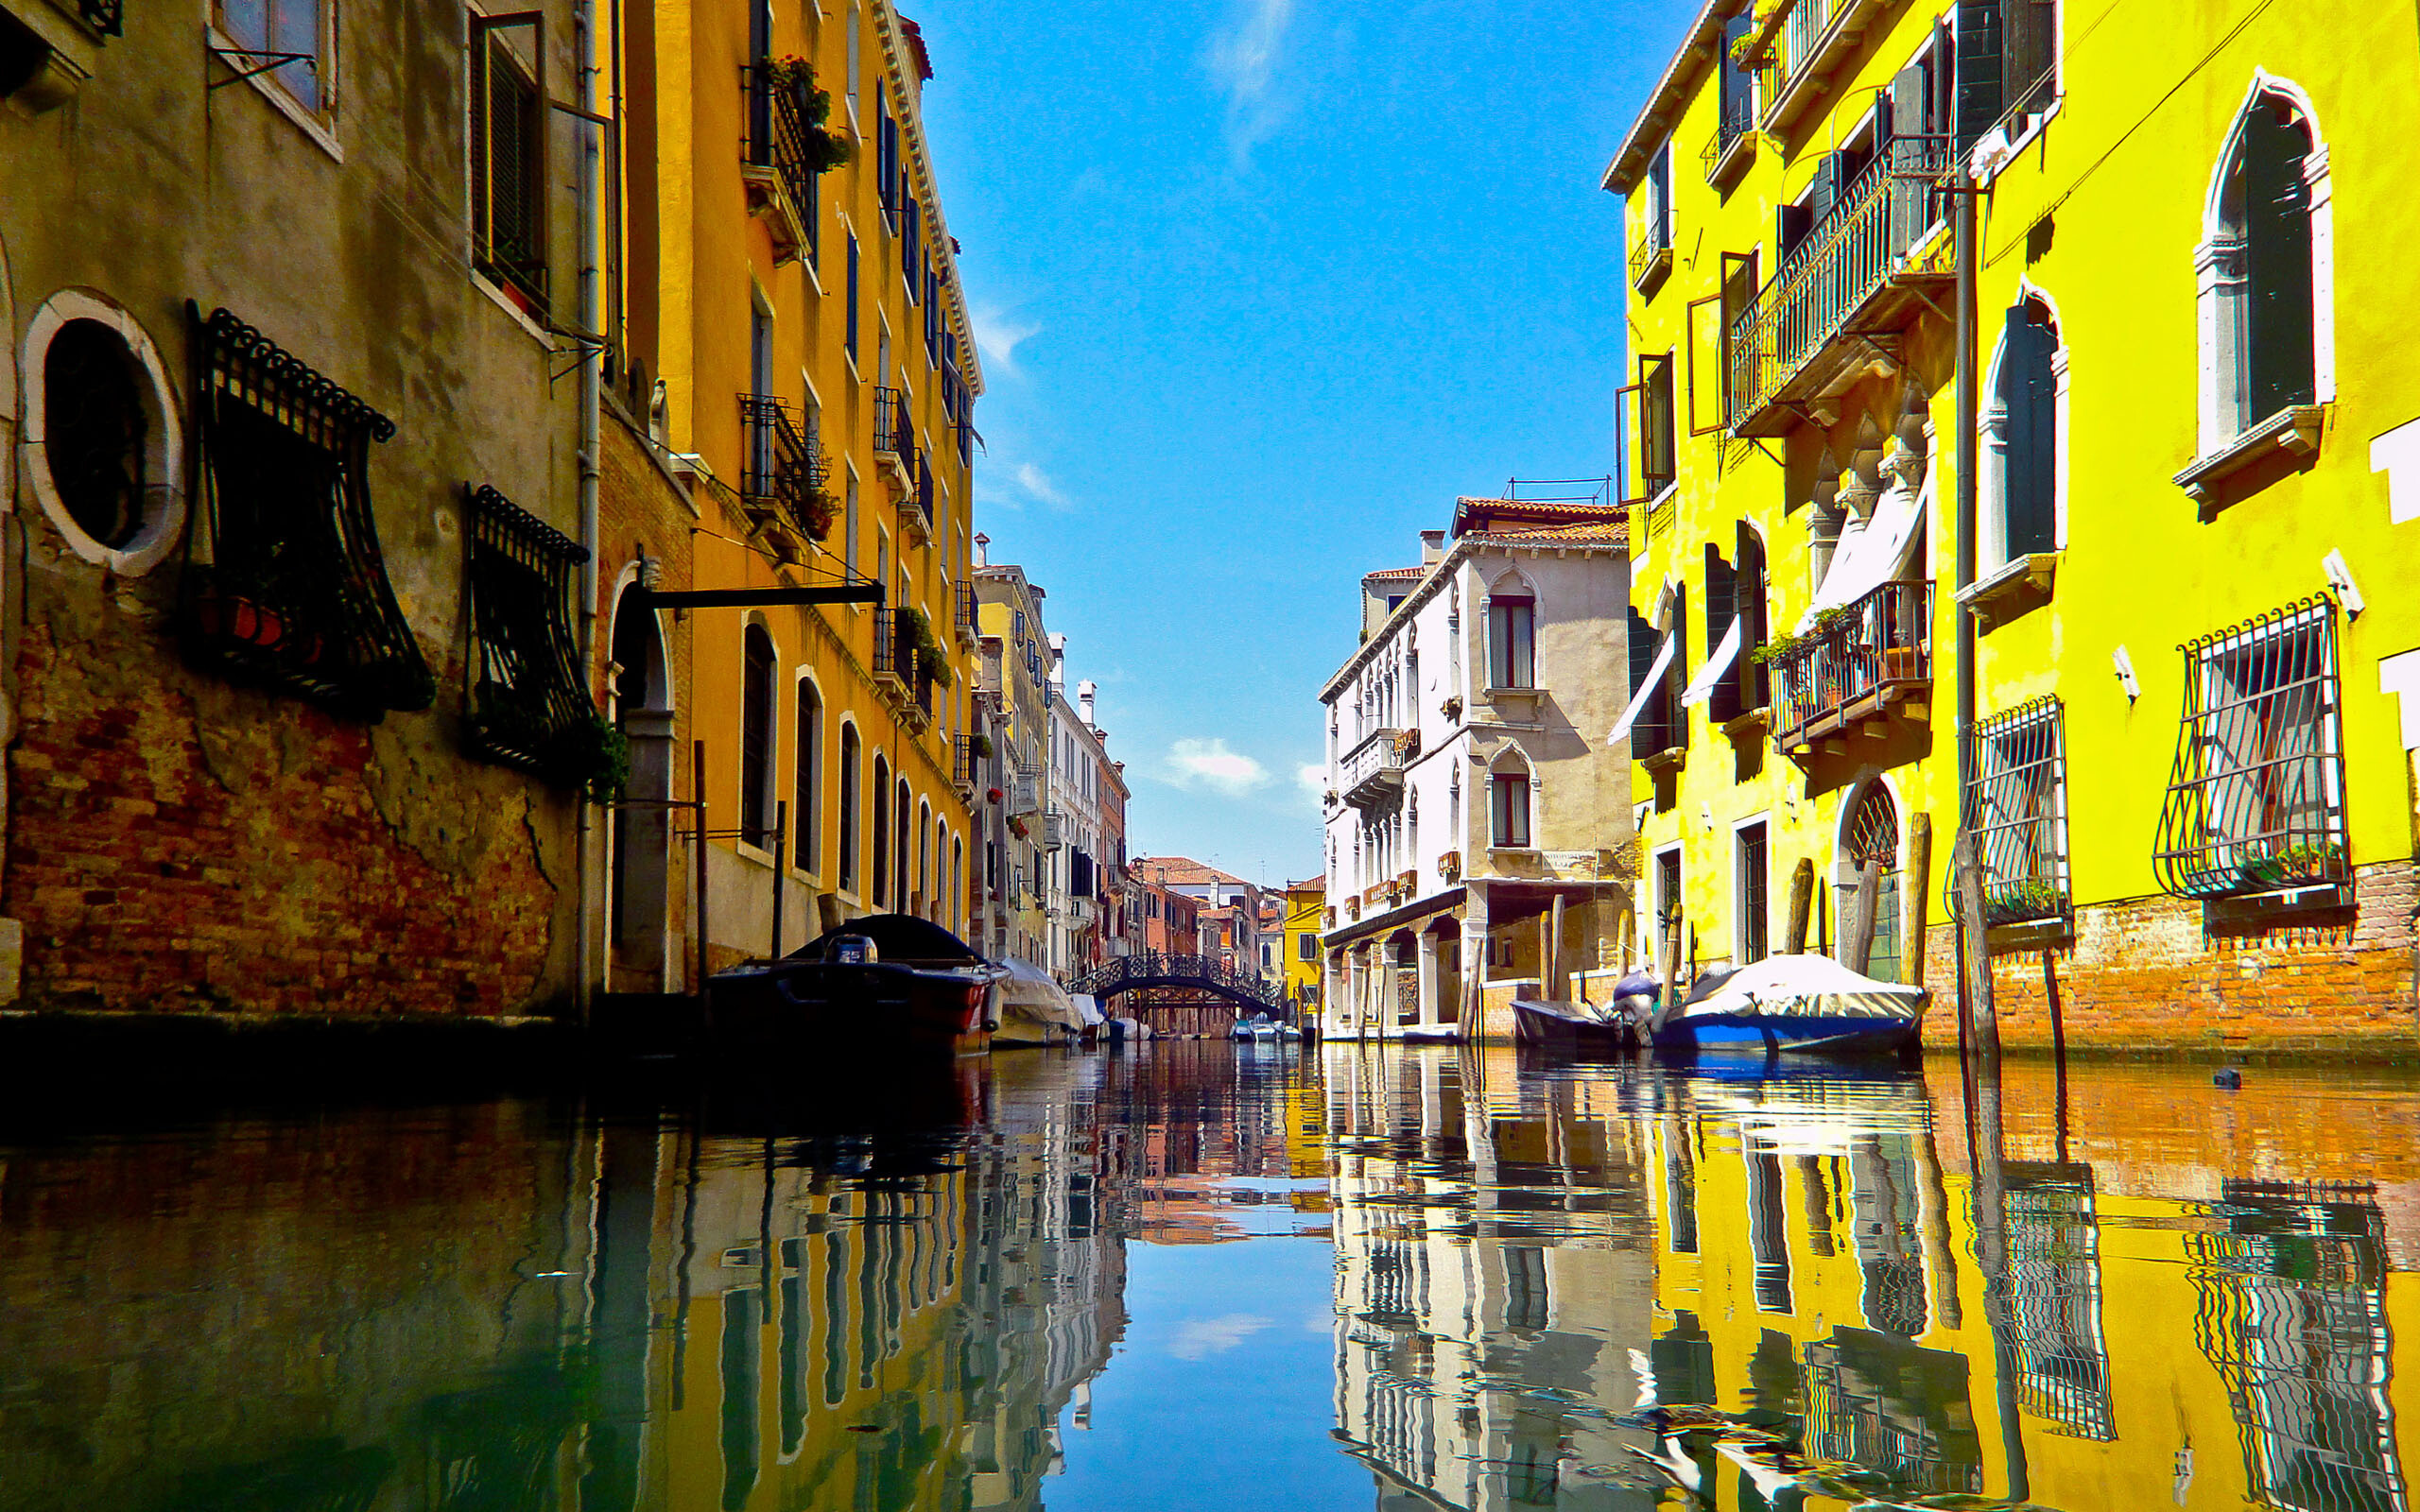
[{"x": 1613, "y": 1286}]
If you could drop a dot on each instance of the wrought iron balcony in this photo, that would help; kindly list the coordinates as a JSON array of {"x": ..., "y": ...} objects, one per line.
[
  {"x": 894, "y": 658},
  {"x": 781, "y": 468},
  {"x": 1874, "y": 653},
  {"x": 1800, "y": 51},
  {"x": 1733, "y": 138},
  {"x": 1652, "y": 257},
  {"x": 964, "y": 763},
  {"x": 964, "y": 619},
  {"x": 773, "y": 162},
  {"x": 894, "y": 437},
  {"x": 1374, "y": 769},
  {"x": 1844, "y": 294}
]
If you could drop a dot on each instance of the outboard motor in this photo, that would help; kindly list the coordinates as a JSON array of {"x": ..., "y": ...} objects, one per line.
[
  {"x": 852, "y": 950},
  {"x": 1634, "y": 998}
]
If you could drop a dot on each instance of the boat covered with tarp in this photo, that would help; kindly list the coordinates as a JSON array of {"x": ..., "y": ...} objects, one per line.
[
  {"x": 1794, "y": 1004},
  {"x": 1032, "y": 1008}
]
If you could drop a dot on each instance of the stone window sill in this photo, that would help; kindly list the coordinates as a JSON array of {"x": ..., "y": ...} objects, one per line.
[
  {"x": 2008, "y": 591},
  {"x": 1670, "y": 759},
  {"x": 2294, "y": 431},
  {"x": 1749, "y": 726}
]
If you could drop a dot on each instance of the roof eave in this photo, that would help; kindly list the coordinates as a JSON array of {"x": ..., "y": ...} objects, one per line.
[{"x": 1655, "y": 119}]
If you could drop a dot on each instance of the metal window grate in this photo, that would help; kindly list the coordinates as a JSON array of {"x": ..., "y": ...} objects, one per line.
[
  {"x": 2017, "y": 801},
  {"x": 2256, "y": 802},
  {"x": 2055, "y": 1295},
  {"x": 523, "y": 672},
  {"x": 285, "y": 582}
]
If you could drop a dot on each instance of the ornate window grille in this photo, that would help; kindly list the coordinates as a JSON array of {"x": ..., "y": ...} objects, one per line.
[
  {"x": 2055, "y": 1298},
  {"x": 2256, "y": 802},
  {"x": 284, "y": 584},
  {"x": 526, "y": 692},
  {"x": 2017, "y": 801}
]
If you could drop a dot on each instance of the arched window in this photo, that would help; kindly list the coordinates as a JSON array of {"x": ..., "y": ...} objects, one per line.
[
  {"x": 2265, "y": 268},
  {"x": 1872, "y": 840},
  {"x": 924, "y": 895},
  {"x": 756, "y": 735},
  {"x": 957, "y": 883},
  {"x": 2021, "y": 440},
  {"x": 880, "y": 894},
  {"x": 806, "y": 802},
  {"x": 1508, "y": 805},
  {"x": 848, "y": 836}
]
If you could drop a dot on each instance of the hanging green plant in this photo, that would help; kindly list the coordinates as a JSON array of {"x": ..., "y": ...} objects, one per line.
[
  {"x": 824, "y": 149},
  {"x": 592, "y": 755},
  {"x": 916, "y": 634},
  {"x": 980, "y": 744}
]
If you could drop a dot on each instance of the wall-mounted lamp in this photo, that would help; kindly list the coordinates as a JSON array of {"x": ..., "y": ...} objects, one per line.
[
  {"x": 2340, "y": 577},
  {"x": 2125, "y": 666}
]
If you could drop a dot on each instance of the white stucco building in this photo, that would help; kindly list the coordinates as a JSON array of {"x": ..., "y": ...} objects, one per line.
[{"x": 1470, "y": 786}]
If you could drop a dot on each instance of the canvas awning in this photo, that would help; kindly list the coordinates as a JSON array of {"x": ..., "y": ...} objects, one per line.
[
  {"x": 1727, "y": 651},
  {"x": 1646, "y": 690},
  {"x": 1877, "y": 556}
]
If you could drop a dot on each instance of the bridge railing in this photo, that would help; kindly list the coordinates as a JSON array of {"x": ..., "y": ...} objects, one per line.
[{"x": 1171, "y": 969}]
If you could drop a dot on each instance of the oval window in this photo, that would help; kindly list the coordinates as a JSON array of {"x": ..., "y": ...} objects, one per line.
[{"x": 92, "y": 392}]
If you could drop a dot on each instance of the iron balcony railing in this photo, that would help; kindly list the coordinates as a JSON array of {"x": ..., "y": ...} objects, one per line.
[
  {"x": 964, "y": 618},
  {"x": 962, "y": 769},
  {"x": 775, "y": 138},
  {"x": 891, "y": 656},
  {"x": 1844, "y": 259},
  {"x": 1880, "y": 643},
  {"x": 1654, "y": 243},
  {"x": 1802, "y": 33},
  {"x": 895, "y": 429},
  {"x": 2016, "y": 802},
  {"x": 2256, "y": 802},
  {"x": 1738, "y": 118},
  {"x": 781, "y": 468}
]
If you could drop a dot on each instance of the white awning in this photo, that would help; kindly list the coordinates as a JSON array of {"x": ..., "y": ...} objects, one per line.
[
  {"x": 1646, "y": 690},
  {"x": 1701, "y": 688},
  {"x": 1878, "y": 555}
]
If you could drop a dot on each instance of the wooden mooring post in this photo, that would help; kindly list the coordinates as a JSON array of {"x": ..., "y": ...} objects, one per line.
[
  {"x": 1975, "y": 992},
  {"x": 1801, "y": 903},
  {"x": 1920, "y": 871}
]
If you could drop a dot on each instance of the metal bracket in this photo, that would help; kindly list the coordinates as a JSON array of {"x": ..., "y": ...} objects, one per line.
[{"x": 230, "y": 55}]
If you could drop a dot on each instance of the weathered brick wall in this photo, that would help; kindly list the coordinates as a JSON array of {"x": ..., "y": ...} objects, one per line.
[
  {"x": 181, "y": 844},
  {"x": 2148, "y": 973}
]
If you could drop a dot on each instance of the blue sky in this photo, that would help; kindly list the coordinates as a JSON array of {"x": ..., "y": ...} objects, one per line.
[{"x": 1261, "y": 285}]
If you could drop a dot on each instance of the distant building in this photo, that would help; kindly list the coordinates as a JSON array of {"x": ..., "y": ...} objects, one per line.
[
  {"x": 1471, "y": 786},
  {"x": 1305, "y": 902},
  {"x": 1238, "y": 935}
]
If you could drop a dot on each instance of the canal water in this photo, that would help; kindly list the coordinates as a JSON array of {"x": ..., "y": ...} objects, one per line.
[{"x": 1191, "y": 1275}]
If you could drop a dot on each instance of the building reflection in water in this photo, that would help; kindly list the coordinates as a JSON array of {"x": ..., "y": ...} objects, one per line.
[
  {"x": 1581, "y": 1287},
  {"x": 1568, "y": 1288}
]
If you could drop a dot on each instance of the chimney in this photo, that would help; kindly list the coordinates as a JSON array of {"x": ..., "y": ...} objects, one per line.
[
  {"x": 1084, "y": 690},
  {"x": 982, "y": 557},
  {"x": 1432, "y": 547},
  {"x": 1058, "y": 659}
]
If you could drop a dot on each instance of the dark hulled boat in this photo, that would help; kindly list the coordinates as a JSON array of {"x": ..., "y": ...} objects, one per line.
[{"x": 888, "y": 984}]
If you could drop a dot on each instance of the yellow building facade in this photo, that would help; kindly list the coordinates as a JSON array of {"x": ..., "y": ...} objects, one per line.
[
  {"x": 1305, "y": 906},
  {"x": 795, "y": 412},
  {"x": 2185, "y": 756}
]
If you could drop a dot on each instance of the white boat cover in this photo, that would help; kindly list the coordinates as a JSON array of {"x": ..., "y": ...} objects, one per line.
[
  {"x": 1877, "y": 554},
  {"x": 1032, "y": 1001},
  {"x": 1638, "y": 699},
  {"x": 1701, "y": 688},
  {"x": 1088, "y": 1009},
  {"x": 1806, "y": 987}
]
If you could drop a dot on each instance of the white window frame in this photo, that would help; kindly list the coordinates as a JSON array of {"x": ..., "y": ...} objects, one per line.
[{"x": 164, "y": 453}]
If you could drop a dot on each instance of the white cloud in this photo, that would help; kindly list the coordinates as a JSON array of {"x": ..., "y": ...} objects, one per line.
[
  {"x": 1244, "y": 60},
  {"x": 998, "y": 336},
  {"x": 1037, "y": 485},
  {"x": 1214, "y": 1336},
  {"x": 1311, "y": 777},
  {"x": 1210, "y": 764}
]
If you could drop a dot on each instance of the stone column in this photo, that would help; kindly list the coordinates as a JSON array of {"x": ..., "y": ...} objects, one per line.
[
  {"x": 1474, "y": 1019},
  {"x": 1427, "y": 947}
]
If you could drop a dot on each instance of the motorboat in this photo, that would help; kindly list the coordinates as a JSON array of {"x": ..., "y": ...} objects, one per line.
[
  {"x": 1257, "y": 1029},
  {"x": 1580, "y": 1027},
  {"x": 1794, "y": 1004},
  {"x": 1032, "y": 1008},
  {"x": 883, "y": 982}
]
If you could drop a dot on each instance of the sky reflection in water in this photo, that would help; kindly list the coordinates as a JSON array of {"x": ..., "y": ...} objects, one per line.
[{"x": 1186, "y": 1276}]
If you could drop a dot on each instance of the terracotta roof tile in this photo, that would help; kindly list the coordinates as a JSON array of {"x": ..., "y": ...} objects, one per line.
[{"x": 1394, "y": 574}]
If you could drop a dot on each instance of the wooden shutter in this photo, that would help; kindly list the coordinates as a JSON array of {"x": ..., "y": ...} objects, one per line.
[
  {"x": 2277, "y": 215},
  {"x": 1657, "y": 438},
  {"x": 2029, "y": 393},
  {"x": 1754, "y": 617},
  {"x": 1722, "y": 602},
  {"x": 1826, "y": 189},
  {"x": 1979, "y": 82},
  {"x": 1627, "y": 429},
  {"x": 1642, "y": 657},
  {"x": 1707, "y": 343}
]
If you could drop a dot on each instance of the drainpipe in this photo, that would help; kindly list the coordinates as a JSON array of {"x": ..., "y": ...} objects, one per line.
[
  {"x": 1964, "y": 196},
  {"x": 591, "y": 398}
]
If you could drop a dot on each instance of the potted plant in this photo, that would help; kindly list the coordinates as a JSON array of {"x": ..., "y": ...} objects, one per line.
[
  {"x": 980, "y": 744},
  {"x": 825, "y": 149},
  {"x": 590, "y": 755},
  {"x": 2018, "y": 901}
]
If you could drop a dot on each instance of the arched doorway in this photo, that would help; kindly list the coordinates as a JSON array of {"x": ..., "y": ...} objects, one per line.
[
  {"x": 1872, "y": 839},
  {"x": 639, "y": 887}
]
